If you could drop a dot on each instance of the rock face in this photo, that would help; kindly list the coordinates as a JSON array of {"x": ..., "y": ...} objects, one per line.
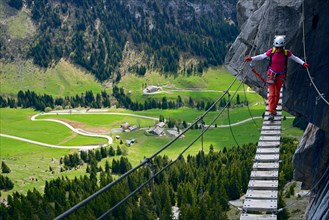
[{"x": 259, "y": 21}]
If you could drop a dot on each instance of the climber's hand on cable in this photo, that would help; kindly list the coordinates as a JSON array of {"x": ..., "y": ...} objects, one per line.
[
  {"x": 248, "y": 59},
  {"x": 306, "y": 65}
]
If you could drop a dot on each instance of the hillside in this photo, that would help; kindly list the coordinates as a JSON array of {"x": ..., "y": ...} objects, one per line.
[
  {"x": 64, "y": 79},
  {"x": 110, "y": 38}
]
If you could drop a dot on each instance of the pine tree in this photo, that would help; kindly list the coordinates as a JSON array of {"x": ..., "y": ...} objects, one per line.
[
  {"x": 18, "y": 4},
  {"x": 5, "y": 168},
  {"x": 119, "y": 151},
  {"x": 111, "y": 152},
  {"x": 107, "y": 166}
]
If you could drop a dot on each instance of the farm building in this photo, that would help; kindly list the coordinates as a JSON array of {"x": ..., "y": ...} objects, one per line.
[
  {"x": 157, "y": 131},
  {"x": 151, "y": 89}
]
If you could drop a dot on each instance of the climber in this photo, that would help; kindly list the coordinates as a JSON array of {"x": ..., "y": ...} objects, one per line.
[{"x": 277, "y": 70}]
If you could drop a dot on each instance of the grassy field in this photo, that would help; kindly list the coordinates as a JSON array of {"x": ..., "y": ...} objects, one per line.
[
  {"x": 30, "y": 164},
  {"x": 213, "y": 79},
  {"x": 20, "y": 26},
  {"x": 108, "y": 122},
  {"x": 17, "y": 122},
  {"x": 207, "y": 87},
  {"x": 64, "y": 79}
]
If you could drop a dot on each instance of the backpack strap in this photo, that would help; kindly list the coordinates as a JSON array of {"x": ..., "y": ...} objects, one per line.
[
  {"x": 271, "y": 55},
  {"x": 286, "y": 60}
]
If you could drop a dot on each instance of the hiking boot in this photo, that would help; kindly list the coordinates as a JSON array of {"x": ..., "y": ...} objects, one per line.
[{"x": 271, "y": 116}]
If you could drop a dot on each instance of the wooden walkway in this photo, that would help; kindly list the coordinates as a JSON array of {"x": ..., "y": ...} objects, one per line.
[{"x": 262, "y": 194}]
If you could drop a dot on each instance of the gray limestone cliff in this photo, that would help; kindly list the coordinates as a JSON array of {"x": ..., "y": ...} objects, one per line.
[{"x": 259, "y": 21}]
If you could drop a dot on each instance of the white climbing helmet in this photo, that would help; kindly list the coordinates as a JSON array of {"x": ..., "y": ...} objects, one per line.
[{"x": 279, "y": 41}]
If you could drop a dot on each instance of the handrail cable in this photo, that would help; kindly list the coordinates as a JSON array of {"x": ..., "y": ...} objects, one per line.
[
  {"x": 321, "y": 95},
  {"x": 152, "y": 166},
  {"x": 252, "y": 117},
  {"x": 228, "y": 110},
  {"x": 168, "y": 165},
  {"x": 229, "y": 119},
  {"x": 146, "y": 160}
]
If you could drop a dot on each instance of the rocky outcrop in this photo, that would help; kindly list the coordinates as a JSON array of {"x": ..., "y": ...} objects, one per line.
[{"x": 259, "y": 21}]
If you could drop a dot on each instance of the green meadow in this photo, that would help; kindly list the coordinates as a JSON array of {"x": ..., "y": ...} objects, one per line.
[
  {"x": 20, "y": 25},
  {"x": 17, "y": 122},
  {"x": 207, "y": 87},
  {"x": 106, "y": 121},
  {"x": 32, "y": 164},
  {"x": 63, "y": 79}
]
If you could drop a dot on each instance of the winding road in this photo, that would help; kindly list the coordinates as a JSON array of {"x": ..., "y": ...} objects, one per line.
[
  {"x": 76, "y": 130},
  {"x": 91, "y": 134}
]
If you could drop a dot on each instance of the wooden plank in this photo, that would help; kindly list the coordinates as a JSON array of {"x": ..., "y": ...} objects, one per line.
[
  {"x": 261, "y": 194},
  {"x": 260, "y": 205},
  {"x": 272, "y": 122},
  {"x": 267, "y": 157},
  {"x": 268, "y": 150},
  {"x": 247, "y": 216},
  {"x": 269, "y": 144},
  {"x": 269, "y": 138},
  {"x": 265, "y": 166},
  {"x": 278, "y": 113},
  {"x": 271, "y": 127},
  {"x": 264, "y": 175},
  {"x": 270, "y": 132},
  {"x": 263, "y": 184},
  {"x": 276, "y": 118}
]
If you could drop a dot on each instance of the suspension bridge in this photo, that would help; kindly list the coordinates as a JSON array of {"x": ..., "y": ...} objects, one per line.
[{"x": 262, "y": 193}]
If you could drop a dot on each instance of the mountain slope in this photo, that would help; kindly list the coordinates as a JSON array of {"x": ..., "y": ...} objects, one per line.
[{"x": 98, "y": 35}]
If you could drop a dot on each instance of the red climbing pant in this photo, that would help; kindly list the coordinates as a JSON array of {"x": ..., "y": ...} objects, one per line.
[{"x": 274, "y": 92}]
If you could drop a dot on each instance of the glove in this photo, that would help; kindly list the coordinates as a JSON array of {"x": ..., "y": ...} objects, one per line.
[
  {"x": 306, "y": 65},
  {"x": 248, "y": 59}
]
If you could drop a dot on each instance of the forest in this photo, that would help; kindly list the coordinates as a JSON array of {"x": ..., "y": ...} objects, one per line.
[
  {"x": 93, "y": 34},
  {"x": 30, "y": 99},
  {"x": 200, "y": 186}
]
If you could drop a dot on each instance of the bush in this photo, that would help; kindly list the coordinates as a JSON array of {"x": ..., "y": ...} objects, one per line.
[
  {"x": 58, "y": 107},
  {"x": 48, "y": 109}
]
